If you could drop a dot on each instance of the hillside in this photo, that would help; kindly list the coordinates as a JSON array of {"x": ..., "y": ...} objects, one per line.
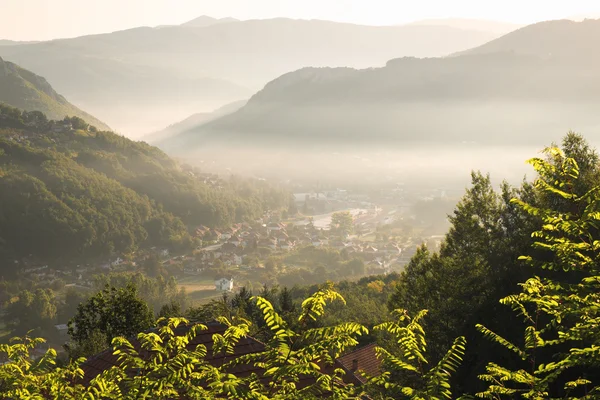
[
  {"x": 28, "y": 91},
  {"x": 435, "y": 100},
  {"x": 550, "y": 39},
  {"x": 68, "y": 191},
  {"x": 140, "y": 80},
  {"x": 192, "y": 122}
]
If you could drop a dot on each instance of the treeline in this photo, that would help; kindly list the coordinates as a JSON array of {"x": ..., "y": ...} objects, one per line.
[
  {"x": 36, "y": 310},
  {"x": 69, "y": 191}
]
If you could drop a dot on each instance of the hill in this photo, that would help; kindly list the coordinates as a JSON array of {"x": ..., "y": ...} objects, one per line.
[
  {"x": 140, "y": 80},
  {"x": 495, "y": 27},
  {"x": 69, "y": 192},
  {"x": 483, "y": 96},
  {"x": 550, "y": 39},
  {"x": 28, "y": 91},
  {"x": 4, "y": 42},
  {"x": 192, "y": 122}
]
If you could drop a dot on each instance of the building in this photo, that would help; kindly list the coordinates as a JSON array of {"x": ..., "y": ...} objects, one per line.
[
  {"x": 224, "y": 284},
  {"x": 355, "y": 363}
]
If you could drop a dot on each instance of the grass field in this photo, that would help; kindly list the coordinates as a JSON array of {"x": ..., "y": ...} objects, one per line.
[{"x": 199, "y": 289}]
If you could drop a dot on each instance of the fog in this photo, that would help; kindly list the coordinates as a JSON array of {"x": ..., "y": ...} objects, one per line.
[
  {"x": 433, "y": 145},
  {"x": 427, "y": 167}
]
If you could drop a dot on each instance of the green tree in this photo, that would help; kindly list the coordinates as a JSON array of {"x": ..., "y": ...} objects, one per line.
[
  {"x": 32, "y": 311},
  {"x": 113, "y": 312},
  {"x": 342, "y": 223},
  {"x": 559, "y": 350}
]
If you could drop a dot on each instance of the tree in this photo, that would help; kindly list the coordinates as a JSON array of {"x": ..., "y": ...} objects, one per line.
[
  {"x": 32, "y": 311},
  {"x": 559, "y": 352},
  {"x": 113, "y": 312},
  {"x": 342, "y": 223},
  {"x": 153, "y": 267},
  {"x": 416, "y": 381},
  {"x": 170, "y": 310},
  {"x": 475, "y": 266}
]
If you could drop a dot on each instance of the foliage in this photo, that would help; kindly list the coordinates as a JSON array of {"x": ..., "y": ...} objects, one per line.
[
  {"x": 69, "y": 192},
  {"x": 162, "y": 363},
  {"x": 113, "y": 312},
  {"x": 31, "y": 311},
  {"x": 559, "y": 349},
  {"x": 342, "y": 223},
  {"x": 432, "y": 384}
]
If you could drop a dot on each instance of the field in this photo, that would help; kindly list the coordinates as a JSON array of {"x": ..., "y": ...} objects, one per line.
[{"x": 199, "y": 289}]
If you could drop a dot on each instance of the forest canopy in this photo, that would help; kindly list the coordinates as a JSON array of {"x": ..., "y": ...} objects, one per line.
[{"x": 69, "y": 191}]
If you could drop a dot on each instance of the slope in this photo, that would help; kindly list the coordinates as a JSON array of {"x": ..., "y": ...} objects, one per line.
[
  {"x": 69, "y": 193},
  {"x": 192, "y": 122},
  {"x": 141, "y": 79},
  {"x": 550, "y": 39},
  {"x": 484, "y": 96},
  {"x": 23, "y": 89}
]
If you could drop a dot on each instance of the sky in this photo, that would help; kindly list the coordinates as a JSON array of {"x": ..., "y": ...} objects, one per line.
[{"x": 50, "y": 19}]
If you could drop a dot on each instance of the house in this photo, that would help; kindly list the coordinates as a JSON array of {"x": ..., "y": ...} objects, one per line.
[
  {"x": 224, "y": 284},
  {"x": 288, "y": 245},
  {"x": 270, "y": 243},
  {"x": 117, "y": 262},
  {"x": 392, "y": 249},
  {"x": 63, "y": 332},
  {"x": 163, "y": 252},
  {"x": 274, "y": 226},
  {"x": 355, "y": 363}
]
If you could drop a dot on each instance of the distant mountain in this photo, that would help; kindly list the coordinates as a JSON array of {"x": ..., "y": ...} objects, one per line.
[
  {"x": 23, "y": 89},
  {"x": 4, "y": 42},
  {"x": 204, "y": 21},
  {"x": 192, "y": 122},
  {"x": 526, "y": 87},
  {"x": 581, "y": 17},
  {"x": 70, "y": 193},
  {"x": 495, "y": 27},
  {"x": 142, "y": 79},
  {"x": 550, "y": 39}
]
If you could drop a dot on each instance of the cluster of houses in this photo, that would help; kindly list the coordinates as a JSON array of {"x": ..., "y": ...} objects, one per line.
[{"x": 230, "y": 245}]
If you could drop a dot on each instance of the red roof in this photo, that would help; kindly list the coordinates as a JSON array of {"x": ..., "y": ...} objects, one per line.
[
  {"x": 363, "y": 360},
  {"x": 95, "y": 365},
  {"x": 248, "y": 345}
]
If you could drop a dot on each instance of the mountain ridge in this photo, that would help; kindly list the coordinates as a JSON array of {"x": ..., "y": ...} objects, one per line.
[
  {"x": 163, "y": 75},
  {"x": 445, "y": 100},
  {"x": 23, "y": 89}
]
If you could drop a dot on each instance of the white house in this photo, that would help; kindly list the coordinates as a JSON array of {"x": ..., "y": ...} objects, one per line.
[
  {"x": 224, "y": 284},
  {"x": 117, "y": 262}
]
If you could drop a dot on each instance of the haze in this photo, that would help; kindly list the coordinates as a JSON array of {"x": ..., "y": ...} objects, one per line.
[{"x": 50, "y": 19}]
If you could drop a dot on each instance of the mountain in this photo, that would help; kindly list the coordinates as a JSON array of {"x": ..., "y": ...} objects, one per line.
[
  {"x": 494, "y": 27},
  {"x": 550, "y": 39},
  {"x": 142, "y": 79},
  {"x": 527, "y": 87},
  {"x": 204, "y": 21},
  {"x": 4, "y": 42},
  {"x": 192, "y": 122},
  {"x": 28, "y": 91},
  {"x": 69, "y": 191}
]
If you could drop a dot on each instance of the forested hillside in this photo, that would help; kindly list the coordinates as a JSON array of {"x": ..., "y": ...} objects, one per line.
[
  {"x": 69, "y": 191},
  {"x": 25, "y": 90}
]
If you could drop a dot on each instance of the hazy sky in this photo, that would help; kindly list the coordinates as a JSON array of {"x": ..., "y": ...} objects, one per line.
[{"x": 47, "y": 19}]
